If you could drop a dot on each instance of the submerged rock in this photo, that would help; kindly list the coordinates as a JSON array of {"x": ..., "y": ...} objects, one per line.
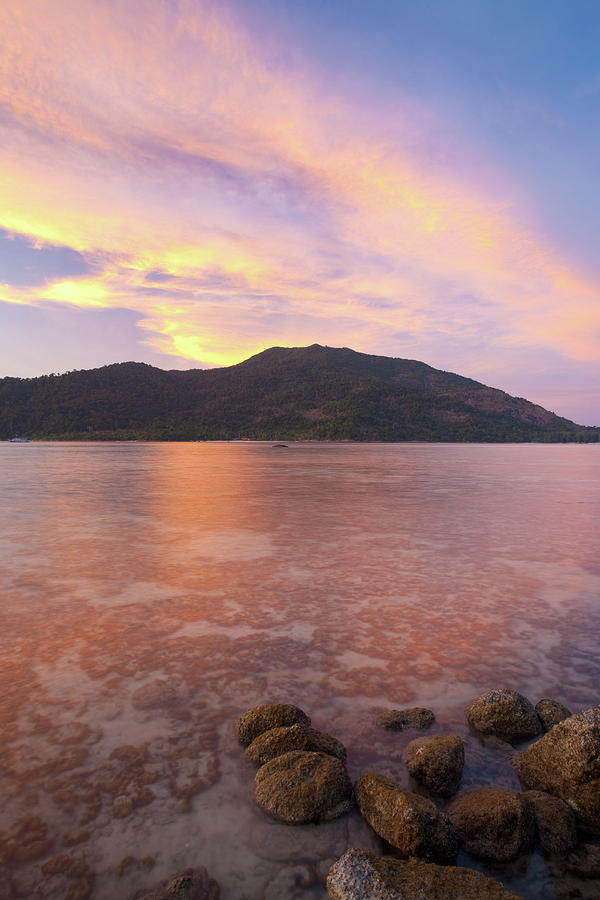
[
  {"x": 551, "y": 712},
  {"x": 191, "y": 884},
  {"x": 437, "y": 762},
  {"x": 566, "y": 762},
  {"x": 359, "y": 875},
  {"x": 281, "y": 740},
  {"x": 156, "y": 694},
  {"x": 267, "y": 716},
  {"x": 492, "y": 824},
  {"x": 410, "y": 823},
  {"x": 302, "y": 786},
  {"x": 399, "y": 719},
  {"x": 505, "y": 714},
  {"x": 555, "y": 822}
]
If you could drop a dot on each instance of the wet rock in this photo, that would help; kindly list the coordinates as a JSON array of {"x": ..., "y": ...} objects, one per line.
[
  {"x": 585, "y": 861},
  {"x": 399, "y": 719},
  {"x": 269, "y": 715},
  {"x": 190, "y": 776},
  {"x": 302, "y": 786},
  {"x": 290, "y": 882},
  {"x": 27, "y": 840},
  {"x": 566, "y": 762},
  {"x": 437, "y": 762},
  {"x": 551, "y": 712},
  {"x": 505, "y": 714},
  {"x": 71, "y": 733},
  {"x": 359, "y": 875},
  {"x": 191, "y": 884},
  {"x": 555, "y": 822},
  {"x": 276, "y": 741},
  {"x": 156, "y": 694},
  {"x": 122, "y": 807},
  {"x": 492, "y": 824},
  {"x": 411, "y": 824}
]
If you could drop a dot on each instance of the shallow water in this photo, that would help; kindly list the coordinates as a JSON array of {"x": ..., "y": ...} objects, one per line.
[{"x": 151, "y": 593}]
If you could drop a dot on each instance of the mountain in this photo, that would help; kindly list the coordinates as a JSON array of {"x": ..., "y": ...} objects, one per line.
[{"x": 283, "y": 393}]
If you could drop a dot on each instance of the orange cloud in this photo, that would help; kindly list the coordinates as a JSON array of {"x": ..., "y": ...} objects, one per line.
[{"x": 154, "y": 141}]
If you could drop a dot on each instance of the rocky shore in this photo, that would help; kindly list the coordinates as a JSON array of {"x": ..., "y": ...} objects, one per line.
[{"x": 302, "y": 778}]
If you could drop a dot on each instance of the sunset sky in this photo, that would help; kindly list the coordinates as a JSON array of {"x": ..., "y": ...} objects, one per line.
[{"x": 186, "y": 183}]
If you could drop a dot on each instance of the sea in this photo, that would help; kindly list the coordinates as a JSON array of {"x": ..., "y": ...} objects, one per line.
[{"x": 151, "y": 593}]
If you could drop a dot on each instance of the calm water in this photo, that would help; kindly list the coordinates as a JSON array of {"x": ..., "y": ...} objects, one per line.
[{"x": 151, "y": 593}]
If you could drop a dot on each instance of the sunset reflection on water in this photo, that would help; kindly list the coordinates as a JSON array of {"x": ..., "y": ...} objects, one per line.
[{"x": 151, "y": 593}]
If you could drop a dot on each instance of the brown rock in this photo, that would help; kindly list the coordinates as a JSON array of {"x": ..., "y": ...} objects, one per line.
[
  {"x": 504, "y": 714},
  {"x": 122, "y": 807},
  {"x": 555, "y": 822},
  {"x": 411, "y": 824},
  {"x": 269, "y": 715},
  {"x": 551, "y": 712},
  {"x": 302, "y": 786},
  {"x": 566, "y": 762},
  {"x": 437, "y": 762},
  {"x": 156, "y": 694},
  {"x": 586, "y": 861},
  {"x": 359, "y": 875},
  {"x": 399, "y": 719},
  {"x": 276, "y": 741},
  {"x": 191, "y": 884},
  {"x": 492, "y": 824}
]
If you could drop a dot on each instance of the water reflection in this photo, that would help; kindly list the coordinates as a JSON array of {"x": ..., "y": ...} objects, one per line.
[{"x": 151, "y": 593}]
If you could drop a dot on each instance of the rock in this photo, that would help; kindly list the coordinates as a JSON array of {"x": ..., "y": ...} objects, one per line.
[
  {"x": 122, "y": 806},
  {"x": 276, "y": 741},
  {"x": 191, "y": 884},
  {"x": 411, "y": 824},
  {"x": 156, "y": 694},
  {"x": 566, "y": 762},
  {"x": 290, "y": 882},
  {"x": 398, "y": 719},
  {"x": 492, "y": 824},
  {"x": 302, "y": 786},
  {"x": 359, "y": 875},
  {"x": 586, "y": 861},
  {"x": 269, "y": 715},
  {"x": 555, "y": 822},
  {"x": 504, "y": 714},
  {"x": 437, "y": 762},
  {"x": 551, "y": 712}
]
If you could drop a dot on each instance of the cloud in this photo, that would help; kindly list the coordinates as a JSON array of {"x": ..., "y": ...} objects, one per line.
[{"x": 233, "y": 202}]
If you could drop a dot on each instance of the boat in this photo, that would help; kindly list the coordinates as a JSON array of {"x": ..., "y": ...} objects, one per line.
[{"x": 18, "y": 440}]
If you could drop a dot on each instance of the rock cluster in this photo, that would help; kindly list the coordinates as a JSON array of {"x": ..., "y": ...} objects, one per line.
[{"x": 303, "y": 778}]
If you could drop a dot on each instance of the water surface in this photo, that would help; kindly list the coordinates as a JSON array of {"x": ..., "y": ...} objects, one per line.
[{"x": 151, "y": 593}]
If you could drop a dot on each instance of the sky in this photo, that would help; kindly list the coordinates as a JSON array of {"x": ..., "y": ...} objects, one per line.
[{"x": 186, "y": 183}]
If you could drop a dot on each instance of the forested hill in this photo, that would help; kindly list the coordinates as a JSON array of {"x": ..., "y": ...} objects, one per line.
[{"x": 281, "y": 394}]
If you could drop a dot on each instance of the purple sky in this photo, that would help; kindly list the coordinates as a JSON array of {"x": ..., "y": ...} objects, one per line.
[{"x": 187, "y": 183}]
